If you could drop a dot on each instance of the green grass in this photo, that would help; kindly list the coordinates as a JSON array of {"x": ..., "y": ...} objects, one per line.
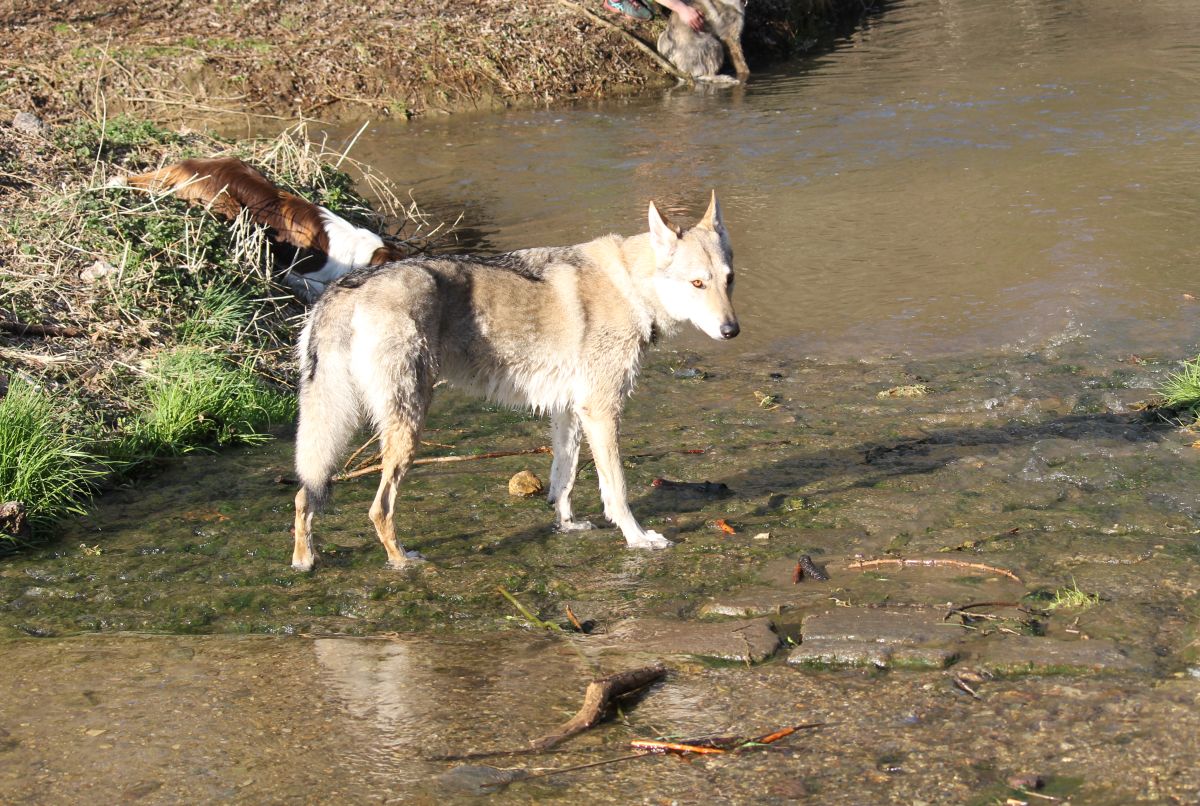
[
  {"x": 194, "y": 398},
  {"x": 1072, "y": 598},
  {"x": 222, "y": 314},
  {"x": 1181, "y": 390},
  {"x": 41, "y": 464}
]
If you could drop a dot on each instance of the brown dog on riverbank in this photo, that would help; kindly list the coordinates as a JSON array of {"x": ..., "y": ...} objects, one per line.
[{"x": 321, "y": 245}]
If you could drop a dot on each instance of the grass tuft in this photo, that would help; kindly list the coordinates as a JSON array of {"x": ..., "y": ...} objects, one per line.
[
  {"x": 41, "y": 464},
  {"x": 1181, "y": 390},
  {"x": 193, "y": 398},
  {"x": 1072, "y": 598}
]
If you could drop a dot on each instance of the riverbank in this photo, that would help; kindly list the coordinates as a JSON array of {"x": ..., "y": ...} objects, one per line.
[
  {"x": 195, "y": 61},
  {"x": 132, "y": 326}
]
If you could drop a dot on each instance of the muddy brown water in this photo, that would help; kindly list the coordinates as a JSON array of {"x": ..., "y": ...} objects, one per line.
[{"x": 986, "y": 201}]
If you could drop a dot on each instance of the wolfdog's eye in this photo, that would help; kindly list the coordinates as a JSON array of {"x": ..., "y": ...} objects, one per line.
[{"x": 698, "y": 283}]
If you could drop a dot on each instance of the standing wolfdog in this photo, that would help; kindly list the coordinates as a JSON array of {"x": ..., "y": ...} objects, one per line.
[{"x": 559, "y": 330}]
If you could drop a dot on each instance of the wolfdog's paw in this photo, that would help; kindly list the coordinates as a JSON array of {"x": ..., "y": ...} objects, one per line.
[
  {"x": 301, "y": 565},
  {"x": 411, "y": 560},
  {"x": 574, "y": 526},
  {"x": 650, "y": 540}
]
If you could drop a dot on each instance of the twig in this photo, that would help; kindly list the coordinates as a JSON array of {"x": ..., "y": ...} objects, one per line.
[
  {"x": 524, "y": 611},
  {"x": 573, "y": 619},
  {"x": 933, "y": 562},
  {"x": 655, "y": 746},
  {"x": 600, "y": 763},
  {"x": 599, "y": 695},
  {"x": 962, "y": 684},
  {"x": 33, "y": 358},
  {"x": 434, "y": 460},
  {"x": 783, "y": 732},
  {"x": 27, "y": 329},
  {"x": 358, "y": 453},
  {"x": 649, "y": 51}
]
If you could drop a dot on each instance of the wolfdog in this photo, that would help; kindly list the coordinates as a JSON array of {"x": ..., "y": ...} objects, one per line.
[
  {"x": 560, "y": 330},
  {"x": 699, "y": 54}
]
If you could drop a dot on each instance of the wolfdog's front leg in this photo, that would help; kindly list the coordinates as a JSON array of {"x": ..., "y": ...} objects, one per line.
[
  {"x": 565, "y": 433},
  {"x": 601, "y": 429}
]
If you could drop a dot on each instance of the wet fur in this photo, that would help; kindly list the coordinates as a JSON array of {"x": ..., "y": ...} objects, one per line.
[
  {"x": 701, "y": 54},
  {"x": 557, "y": 330}
]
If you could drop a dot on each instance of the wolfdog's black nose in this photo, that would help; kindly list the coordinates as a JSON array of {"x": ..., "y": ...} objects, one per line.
[{"x": 729, "y": 330}]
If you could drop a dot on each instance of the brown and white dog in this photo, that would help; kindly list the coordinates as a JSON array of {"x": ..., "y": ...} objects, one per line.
[{"x": 315, "y": 245}]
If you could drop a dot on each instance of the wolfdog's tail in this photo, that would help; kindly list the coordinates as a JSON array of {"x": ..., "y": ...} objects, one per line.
[{"x": 329, "y": 414}]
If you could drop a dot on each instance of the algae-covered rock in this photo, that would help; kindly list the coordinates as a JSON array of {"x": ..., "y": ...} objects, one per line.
[{"x": 869, "y": 637}]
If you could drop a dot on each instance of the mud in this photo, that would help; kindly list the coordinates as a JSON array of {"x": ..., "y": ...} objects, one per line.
[
  {"x": 248, "y": 720},
  {"x": 1011, "y": 463}
]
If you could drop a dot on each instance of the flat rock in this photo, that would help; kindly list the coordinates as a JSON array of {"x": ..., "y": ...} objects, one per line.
[
  {"x": 750, "y": 603},
  {"x": 871, "y": 637},
  {"x": 750, "y": 640},
  {"x": 1020, "y": 654},
  {"x": 29, "y": 123}
]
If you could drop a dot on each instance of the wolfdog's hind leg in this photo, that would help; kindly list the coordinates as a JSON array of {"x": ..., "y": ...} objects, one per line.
[
  {"x": 565, "y": 433},
  {"x": 303, "y": 555},
  {"x": 397, "y": 442}
]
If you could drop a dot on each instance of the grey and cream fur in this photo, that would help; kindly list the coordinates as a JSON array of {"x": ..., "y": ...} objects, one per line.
[
  {"x": 557, "y": 330},
  {"x": 700, "y": 53}
]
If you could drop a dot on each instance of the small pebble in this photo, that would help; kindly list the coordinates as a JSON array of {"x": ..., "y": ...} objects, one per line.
[
  {"x": 524, "y": 485},
  {"x": 29, "y": 123},
  {"x": 1030, "y": 782}
]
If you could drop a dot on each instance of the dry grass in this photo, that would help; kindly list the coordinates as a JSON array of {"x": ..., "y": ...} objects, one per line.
[
  {"x": 190, "y": 61},
  {"x": 173, "y": 331}
]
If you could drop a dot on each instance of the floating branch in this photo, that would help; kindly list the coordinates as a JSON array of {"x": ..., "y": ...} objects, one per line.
[{"x": 599, "y": 695}]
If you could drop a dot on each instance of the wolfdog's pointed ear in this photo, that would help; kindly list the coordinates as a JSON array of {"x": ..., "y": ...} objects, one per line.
[
  {"x": 663, "y": 236},
  {"x": 712, "y": 218}
]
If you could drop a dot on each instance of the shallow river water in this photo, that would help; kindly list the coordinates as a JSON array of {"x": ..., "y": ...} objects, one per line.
[{"x": 965, "y": 239}]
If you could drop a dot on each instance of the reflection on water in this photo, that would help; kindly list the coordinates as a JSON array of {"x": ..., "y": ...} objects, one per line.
[{"x": 958, "y": 175}]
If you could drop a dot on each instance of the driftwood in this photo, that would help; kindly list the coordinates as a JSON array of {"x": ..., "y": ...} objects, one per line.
[
  {"x": 437, "y": 460},
  {"x": 599, "y": 695},
  {"x": 27, "y": 329},
  {"x": 933, "y": 562}
]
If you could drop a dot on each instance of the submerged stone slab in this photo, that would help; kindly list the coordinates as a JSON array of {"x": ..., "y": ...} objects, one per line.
[
  {"x": 750, "y": 603},
  {"x": 1020, "y": 654},
  {"x": 871, "y": 637},
  {"x": 751, "y": 640}
]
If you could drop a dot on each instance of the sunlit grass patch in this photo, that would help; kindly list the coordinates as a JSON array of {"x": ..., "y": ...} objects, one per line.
[
  {"x": 195, "y": 398},
  {"x": 1181, "y": 390},
  {"x": 42, "y": 464},
  {"x": 1072, "y": 598}
]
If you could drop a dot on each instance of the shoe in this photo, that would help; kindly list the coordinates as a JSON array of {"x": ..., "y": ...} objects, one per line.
[{"x": 630, "y": 8}]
